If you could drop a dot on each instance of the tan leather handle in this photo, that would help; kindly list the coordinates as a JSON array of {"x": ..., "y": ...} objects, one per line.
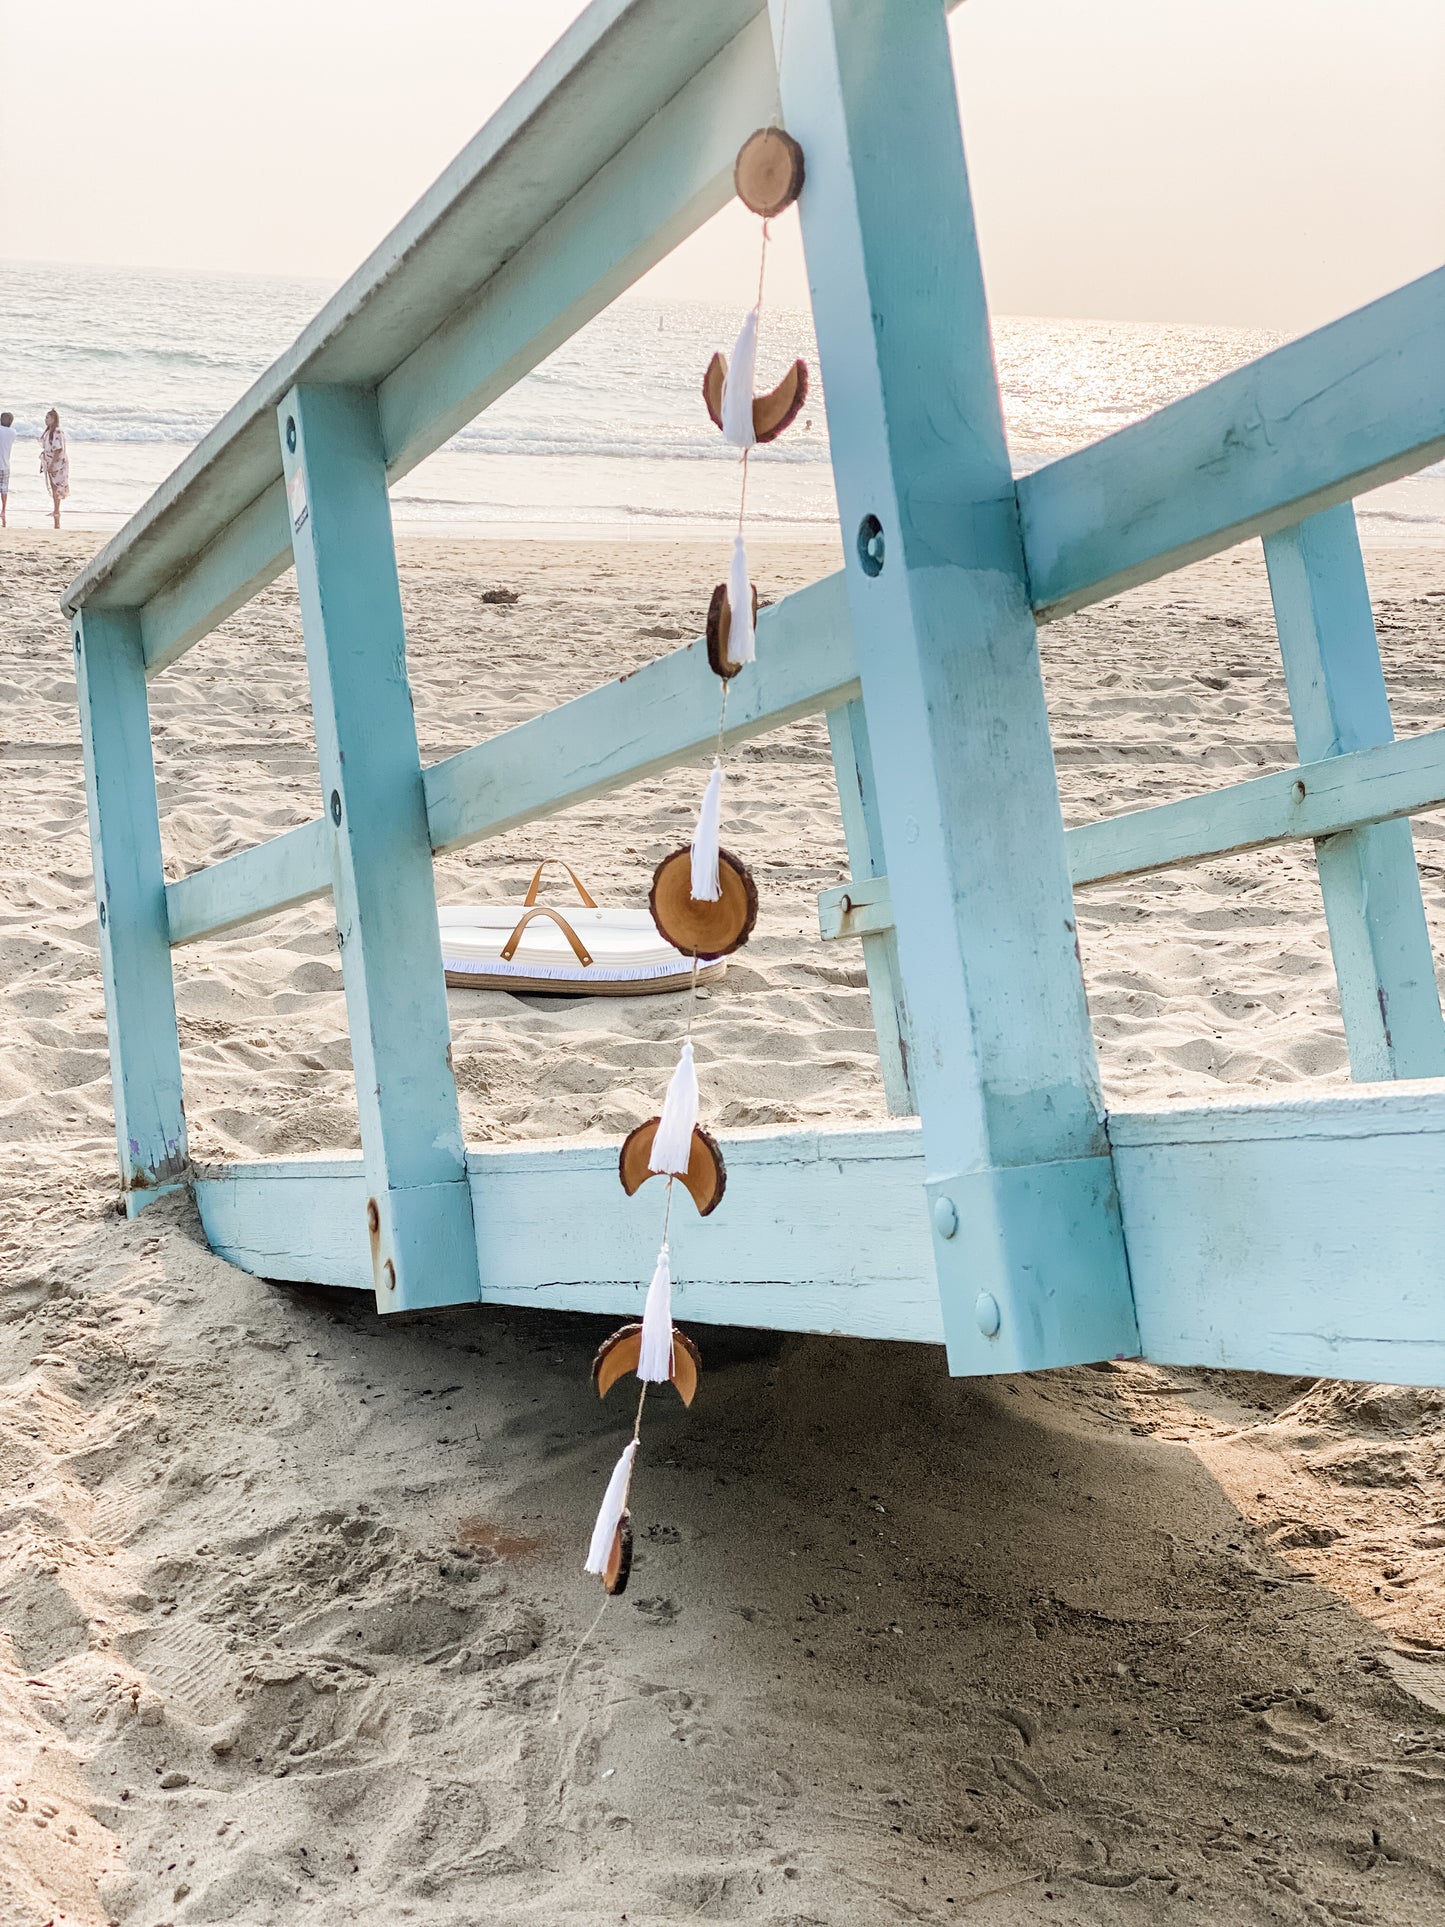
[
  {"x": 531, "y": 897},
  {"x": 509, "y": 948}
]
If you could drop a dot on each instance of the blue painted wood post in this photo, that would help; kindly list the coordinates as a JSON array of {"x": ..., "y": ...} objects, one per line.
[
  {"x": 130, "y": 897},
  {"x": 1368, "y": 877},
  {"x": 419, "y": 1207},
  {"x": 1025, "y": 1218},
  {"x": 858, "y": 806}
]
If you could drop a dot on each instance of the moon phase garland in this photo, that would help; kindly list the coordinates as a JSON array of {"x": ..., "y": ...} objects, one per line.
[{"x": 704, "y": 901}]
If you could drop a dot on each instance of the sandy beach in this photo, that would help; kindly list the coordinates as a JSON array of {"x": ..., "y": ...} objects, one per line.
[{"x": 290, "y": 1597}]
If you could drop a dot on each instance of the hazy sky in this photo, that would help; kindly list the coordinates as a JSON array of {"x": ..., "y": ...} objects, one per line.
[{"x": 1269, "y": 162}]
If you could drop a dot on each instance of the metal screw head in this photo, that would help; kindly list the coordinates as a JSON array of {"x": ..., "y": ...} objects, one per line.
[
  {"x": 945, "y": 1217},
  {"x": 987, "y": 1313},
  {"x": 103, "y": 916},
  {"x": 290, "y": 434},
  {"x": 336, "y": 807},
  {"x": 870, "y": 545}
]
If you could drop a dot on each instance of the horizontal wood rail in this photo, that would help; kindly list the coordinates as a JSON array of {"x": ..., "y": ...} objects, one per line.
[
  {"x": 662, "y": 715},
  {"x": 617, "y": 147},
  {"x": 645, "y": 723},
  {"x": 656, "y": 95},
  {"x": 1281, "y": 1236},
  {"x": 1292, "y": 805},
  {"x": 1315, "y": 422},
  {"x": 277, "y": 875},
  {"x": 1320, "y": 420}
]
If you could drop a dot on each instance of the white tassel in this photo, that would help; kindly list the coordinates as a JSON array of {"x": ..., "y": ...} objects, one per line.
[
  {"x": 706, "y": 885},
  {"x": 740, "y": 608},
  {"x": 614, "y": 1504},
  {"x": 737, "y": 401},
  {"x": 654, "y": 1365},
  {"x": 672, "y": 1146}
]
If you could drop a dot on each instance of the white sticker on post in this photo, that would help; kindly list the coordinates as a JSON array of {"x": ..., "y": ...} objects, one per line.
[{"x": 296, "y": 496}]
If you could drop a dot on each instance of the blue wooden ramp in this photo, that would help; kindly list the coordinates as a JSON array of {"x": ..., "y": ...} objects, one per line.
[{"x": 1002, "y": 1213}]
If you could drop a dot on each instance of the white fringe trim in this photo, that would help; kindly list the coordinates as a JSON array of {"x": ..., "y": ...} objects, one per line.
[{"x": 571, "y": 973}]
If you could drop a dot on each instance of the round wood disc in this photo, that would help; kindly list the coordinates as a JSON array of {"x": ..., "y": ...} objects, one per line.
[
  {"x": 706, "y": 1176},
  {"x": 704, "y": 929},
  {"x": 719, "y": 628},
  {"x": 768, "y": 172}
]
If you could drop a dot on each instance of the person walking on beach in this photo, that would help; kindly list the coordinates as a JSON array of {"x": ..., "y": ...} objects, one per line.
[
  {"x": 55, "y": 461},
  {"x": 7, "y": 442}
]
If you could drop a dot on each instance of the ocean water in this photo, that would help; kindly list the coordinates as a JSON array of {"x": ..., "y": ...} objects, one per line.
[{"x": 607, "y": 437}]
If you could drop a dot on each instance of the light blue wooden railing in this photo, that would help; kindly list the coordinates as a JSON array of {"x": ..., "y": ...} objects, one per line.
[{"x": 619, "y": 145}]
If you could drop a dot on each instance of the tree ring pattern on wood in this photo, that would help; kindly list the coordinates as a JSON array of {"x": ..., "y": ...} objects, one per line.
[
  {"x": 705, "y": 1179},
  {"x": 772, "y": 412},
  {"x": 768, "y": 172},
  {"x": 702, "y": 929},
  {"x": 719, "y": 628},
  {"x": 622, "y": 1353}
]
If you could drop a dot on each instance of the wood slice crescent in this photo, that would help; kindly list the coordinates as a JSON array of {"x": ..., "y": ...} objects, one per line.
[
  {"x": 776, "y": 410},
  {"x": 714, "y": 376},
  {"x": 707, "y": 1175},
  {"x": 773, "y": 412},
  {"x": 719, "y": 628},
  {"x": 619, "y": 1355},
  {"x": 704, "y": 930},
  {"x": 768, "y": 172},
  {"x": 618, "y": 1570}
]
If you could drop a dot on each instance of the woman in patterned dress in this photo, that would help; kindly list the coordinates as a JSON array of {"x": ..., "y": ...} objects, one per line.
[{"x": 55, "y": 462}]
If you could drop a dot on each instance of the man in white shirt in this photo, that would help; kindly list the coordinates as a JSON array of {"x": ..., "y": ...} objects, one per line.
[{"x": 7, "y": 442}]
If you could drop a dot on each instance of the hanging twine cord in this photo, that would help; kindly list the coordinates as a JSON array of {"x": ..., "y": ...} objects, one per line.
[{"x": 692, "y": 993}]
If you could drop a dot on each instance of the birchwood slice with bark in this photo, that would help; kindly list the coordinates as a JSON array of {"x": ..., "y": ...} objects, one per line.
[
  {"x": 719, "y": 629},
  {"x": 768, "y": 172},
  {"x": 699, "y": 928},
  {"x": 773, "y": 412},
  {"x": 705, "y": 1179},
  {"x": 621, "y": 1353},
  {"x": 618, "y": 1570},
  {"x": 780, "y": 407}
]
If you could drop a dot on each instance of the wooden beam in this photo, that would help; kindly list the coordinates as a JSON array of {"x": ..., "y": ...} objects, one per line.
[
  {"x": 818, "y": 1231},
  {"x": 1003, "y": 1058},
  {"x": 1290, "y": 1237},
  {"x": 863, "y": 832},
  {"x": 1384, "y": 962},
  {"x": 1345, "y": 409},
  {"x": 616, "y": 68},
  {"x": 247, "y": 554},
  {"x": 291, "y": 868},
  {"x": 465, "y": 336},
  {"x": 1298, "y": 1237},
  {"x": 1314, "y": 801},
  {"x": 642, "y": 724},
  {"x": 135, "y": 962},
  {"x": 646, "y": 722},
  {"x": 671, "y": 177},
  {"x": 418, "y": 1210}
]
